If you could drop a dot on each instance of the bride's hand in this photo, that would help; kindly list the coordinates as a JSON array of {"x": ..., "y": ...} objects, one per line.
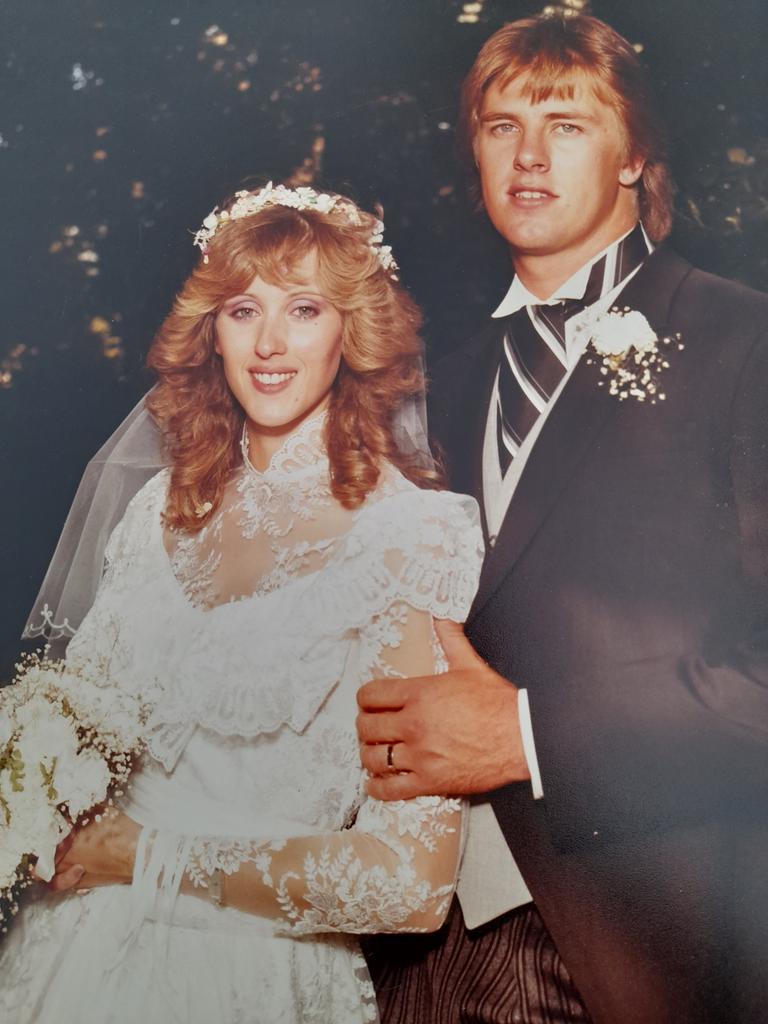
[{"x": 100, "y": 853}]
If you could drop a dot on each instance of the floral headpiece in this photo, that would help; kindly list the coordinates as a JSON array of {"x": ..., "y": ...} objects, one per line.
[{"x": 247, "y": 204}]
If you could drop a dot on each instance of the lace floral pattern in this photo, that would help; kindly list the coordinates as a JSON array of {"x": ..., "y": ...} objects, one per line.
[
  {"x": 341, "y": 575},
  {"x": 275, "y": 511},
  {"x": 377, "y": 877},
  {"x": 252, "y": 638}
]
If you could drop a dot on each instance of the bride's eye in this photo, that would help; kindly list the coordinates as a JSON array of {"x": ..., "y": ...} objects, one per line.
[
  {"x": 305, "y": 311},
  {"x": 243, "y": 312}
]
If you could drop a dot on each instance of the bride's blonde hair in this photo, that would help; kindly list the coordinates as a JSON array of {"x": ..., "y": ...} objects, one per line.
[{"x": 380, "y": 366}]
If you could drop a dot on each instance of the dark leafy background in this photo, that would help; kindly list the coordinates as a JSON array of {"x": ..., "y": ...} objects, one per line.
[{"x": 122, "y": 124}]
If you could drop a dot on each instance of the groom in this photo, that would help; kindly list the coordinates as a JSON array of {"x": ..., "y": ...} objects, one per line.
[{"x": 614, "y": 727}]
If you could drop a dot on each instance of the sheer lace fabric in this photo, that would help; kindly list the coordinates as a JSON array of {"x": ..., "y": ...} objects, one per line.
[
  {"x": 383, "y": 876},
  {"x": 271, "y": 528},
  {"x": 251, "y": 639}
]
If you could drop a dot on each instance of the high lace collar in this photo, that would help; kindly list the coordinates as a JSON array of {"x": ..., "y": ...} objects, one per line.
[{"x": 303, "y": 453}]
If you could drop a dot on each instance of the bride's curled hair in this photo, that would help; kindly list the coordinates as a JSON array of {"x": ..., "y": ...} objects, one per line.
[{"x": 380, "y": 367}]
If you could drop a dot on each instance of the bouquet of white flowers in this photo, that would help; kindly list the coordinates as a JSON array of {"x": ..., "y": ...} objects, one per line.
[{"x": 67, "y": 746}]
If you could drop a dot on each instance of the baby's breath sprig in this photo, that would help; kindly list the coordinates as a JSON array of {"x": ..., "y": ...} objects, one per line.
[
  {"x": 631, "y": 357},
  {"x": 68, "y": 743}
]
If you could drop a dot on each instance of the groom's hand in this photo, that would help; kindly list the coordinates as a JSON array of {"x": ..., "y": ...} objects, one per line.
[{"x": 454, "y": 733}]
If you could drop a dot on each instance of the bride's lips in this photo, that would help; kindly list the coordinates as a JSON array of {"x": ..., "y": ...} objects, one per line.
[
  {"x": 269, "y": 382},
  {"x": 528, "y": 197}
]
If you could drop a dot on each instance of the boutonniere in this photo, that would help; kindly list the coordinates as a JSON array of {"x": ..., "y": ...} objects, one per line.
[{"x": 631, "y": 356}]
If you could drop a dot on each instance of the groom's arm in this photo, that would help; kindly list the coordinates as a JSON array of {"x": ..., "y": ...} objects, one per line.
[
  {"x": 468, "y": 731},
  {"x": 638, "y": 744},
  {"x": 459, "y": 732}
]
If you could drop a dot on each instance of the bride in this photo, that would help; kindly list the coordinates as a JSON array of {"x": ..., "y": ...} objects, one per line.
[{"x": 291, "y": 551}]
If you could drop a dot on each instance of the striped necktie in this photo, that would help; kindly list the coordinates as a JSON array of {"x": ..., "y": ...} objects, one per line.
[{"x": 533, "y": 360}]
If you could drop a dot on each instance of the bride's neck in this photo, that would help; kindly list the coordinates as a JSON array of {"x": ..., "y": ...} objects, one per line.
[{"x": 263, "y": 443}]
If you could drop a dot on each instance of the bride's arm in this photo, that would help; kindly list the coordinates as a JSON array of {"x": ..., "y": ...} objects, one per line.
[{"x": 394, "y": 870}]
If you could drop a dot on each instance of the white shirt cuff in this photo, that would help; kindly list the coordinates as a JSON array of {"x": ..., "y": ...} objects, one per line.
[{"x": 529, "y": 746}]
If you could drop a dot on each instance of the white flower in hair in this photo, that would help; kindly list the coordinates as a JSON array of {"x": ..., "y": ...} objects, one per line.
[{"x": 247, "y": 204}]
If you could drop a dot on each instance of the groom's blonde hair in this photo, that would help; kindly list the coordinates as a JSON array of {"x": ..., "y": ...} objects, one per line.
[{"x": 551, "y": 54}]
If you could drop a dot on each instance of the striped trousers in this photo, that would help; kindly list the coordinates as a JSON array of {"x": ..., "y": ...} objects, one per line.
[{"x": 504, "y": 972}]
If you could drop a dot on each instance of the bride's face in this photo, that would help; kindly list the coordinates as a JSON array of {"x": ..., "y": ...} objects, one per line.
[{"x": 281, "y": 349}]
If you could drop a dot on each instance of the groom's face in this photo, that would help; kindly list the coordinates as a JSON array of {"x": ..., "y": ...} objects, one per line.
[{"x": 556, "y": 176}]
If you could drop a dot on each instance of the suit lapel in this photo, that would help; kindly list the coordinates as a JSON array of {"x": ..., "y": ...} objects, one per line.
[{"x": 579, "y": 416}]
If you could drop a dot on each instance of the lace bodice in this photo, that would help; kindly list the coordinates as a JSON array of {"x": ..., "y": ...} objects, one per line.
[
  {"x": 251, "y": 639},
  {"x": 270, "y": 529}
]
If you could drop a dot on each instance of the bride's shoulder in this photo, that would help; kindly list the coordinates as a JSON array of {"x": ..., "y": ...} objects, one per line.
[
  {"x": 141, "y": 511},
  {"x": 150, "y": 498},
  {"x": 399, "y": 503},
  {"x": 395, "y": 491},
  {"x": 424, "y": 547}
]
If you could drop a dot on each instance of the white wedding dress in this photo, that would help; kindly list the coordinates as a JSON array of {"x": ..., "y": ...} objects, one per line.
[{"x": 252, "y": 638}]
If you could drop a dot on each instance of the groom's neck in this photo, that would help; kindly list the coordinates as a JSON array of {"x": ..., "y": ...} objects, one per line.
[{"x": 543, "y": 273}]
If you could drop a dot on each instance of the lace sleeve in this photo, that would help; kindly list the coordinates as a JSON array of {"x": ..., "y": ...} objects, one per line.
[{"x": 394, "y": 869}]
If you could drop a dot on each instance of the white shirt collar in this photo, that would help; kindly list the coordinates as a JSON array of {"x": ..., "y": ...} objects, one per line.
[{"x": 574, "y": 288}]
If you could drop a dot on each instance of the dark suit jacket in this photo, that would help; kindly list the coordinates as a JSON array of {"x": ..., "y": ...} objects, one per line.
[{"x": 628, "y": 591}]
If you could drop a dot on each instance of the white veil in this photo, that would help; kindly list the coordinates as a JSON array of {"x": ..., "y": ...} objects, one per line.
[
  {"x": 132, "y": 455},
  {"x": 119, "y": 469}
]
